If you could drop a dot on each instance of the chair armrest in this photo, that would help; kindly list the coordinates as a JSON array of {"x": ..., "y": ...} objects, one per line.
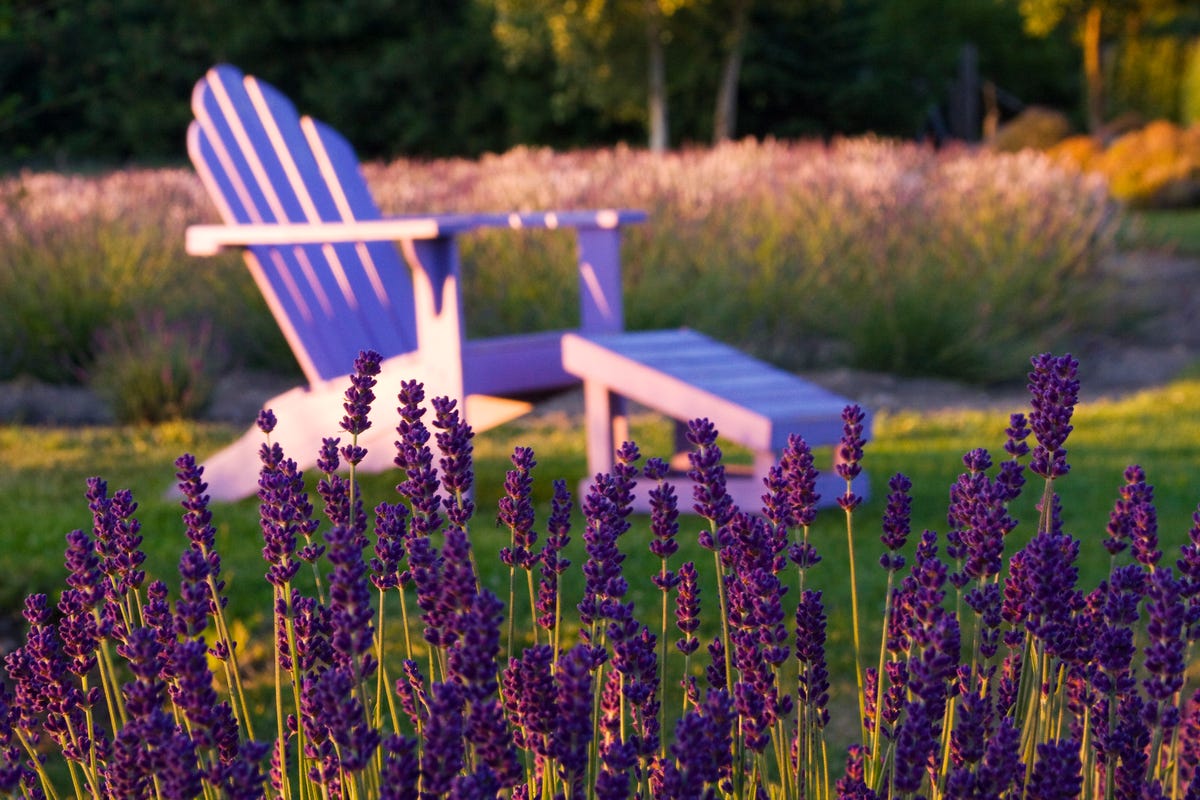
[{"x": 207, "y": 240}]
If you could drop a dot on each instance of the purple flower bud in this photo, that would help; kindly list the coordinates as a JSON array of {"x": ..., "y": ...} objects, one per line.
[
  {"x": 359, "y": 395},
  {"x": 266, "y": 420},
  {"x": 687, "y": 609},
  {"x": 708, "y": 476},
  {"x": 454, "y": 441},
  {"x": 415, "y": 459},
  {"x": 516, "y": 511},
  {"x": 1054, "y": 392},
  {"x": 896, "y": 522},
  {"x": 1057, "y": 772},
  {"x": 573, "y": 731},
  {"x": 849, "y": 454}
]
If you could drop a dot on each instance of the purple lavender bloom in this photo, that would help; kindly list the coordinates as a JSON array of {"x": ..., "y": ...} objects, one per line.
[
  {"x": 896, "y": 522},
  {"x": 618, "y": 757},
  {"x": 800, "y": 476},
  {"x": 266, "y": 421},
  {"x": 193, "y": 694},
  {"x": 1143, "y": 519},
  {"x": 340, "y": 738},
  {"x": 192, "y": 608},
  {"x": 851, "y": 786},
  {"x": 83, "y": 567},
  {"x": 410, "y": 689},
  {"x": 605, "y": 522},
  {"x": 1128, "y": 743},
  {"x": 979, "y": 521},
  {"x": 664, "y": 511},
  {"x": 708, "y": 475},
  {"x": 687, "y": 609},
  {"x": 242, "y": 778},
  {"x": 530, "y": 693},
  {"x": 401, "y": 771},
  {"x": 552, "y": 563},
  {"x": 197, "y": 518},
  {"x": 78, "y": 631},
  {"x": 516, "y": 511},
  {"x": 481, "y": 784},
  {"x": 454, "y": 441},
  {"x": 1054, "y": 392},
  {"x": 1057, "y": 772},
  {"x": 849, "y": 454},
  {"x": 391, "y": 528},
  {"x": 359, "y": 396},
  {"x": 813, "y": 688},
  {"x": 472, "y": 659},
  {"x": 44, "y": 685},
  {"x": 1165, "y": 652},
  {"x": 117, "y": 538},
  {"x": 1001, "y": 767},
  {"x": 415, "y": 459},
  {"x": 702, "y": 745},
  {"x": 459, "y": 585},
  {"x": 425, "y": 565},
  {"x": 1046, "y": 582},
  {"x": 284, "y": 512},
  {"x": 351, "y": 613},
  {"x": 572, "y": 735}
]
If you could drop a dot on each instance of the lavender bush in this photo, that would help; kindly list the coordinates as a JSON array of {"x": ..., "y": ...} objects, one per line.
[
  {"x": 888, "y": 254},
  {"x": 996, "y": 675}
]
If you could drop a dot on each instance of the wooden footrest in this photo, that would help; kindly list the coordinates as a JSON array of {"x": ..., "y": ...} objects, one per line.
[{"x": 684, "y": 375}]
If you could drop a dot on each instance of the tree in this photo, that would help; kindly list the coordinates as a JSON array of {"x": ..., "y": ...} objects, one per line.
[
  {"x": 596, "y": 50},
  {"x": 1091, "y": 19},
  {"x": 734, "y": 45}
]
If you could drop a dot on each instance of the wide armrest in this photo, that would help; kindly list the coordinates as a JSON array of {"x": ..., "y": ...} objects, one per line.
[{"x": 207, "y": 240}]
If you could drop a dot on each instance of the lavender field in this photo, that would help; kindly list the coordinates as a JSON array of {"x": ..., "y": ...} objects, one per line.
[{"x": 879, "y": 254}]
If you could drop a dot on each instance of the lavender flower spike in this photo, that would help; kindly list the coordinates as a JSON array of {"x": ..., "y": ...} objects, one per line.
[
  {"x": 1055, "y": 391},
  {"x": 850, "y": 453}
]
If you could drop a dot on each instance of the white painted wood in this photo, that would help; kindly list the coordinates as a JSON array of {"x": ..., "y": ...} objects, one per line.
[{"x": 207, "y": 240}]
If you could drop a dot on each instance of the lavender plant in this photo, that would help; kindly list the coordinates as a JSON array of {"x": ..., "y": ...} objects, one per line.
[{"x": 996, "y": 675}]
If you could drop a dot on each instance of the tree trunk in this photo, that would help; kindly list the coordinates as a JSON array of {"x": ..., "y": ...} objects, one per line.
[
  {"x": 725, "y": 115},
  {"x": 657, "y": 75},
  {"x": 1092, "y": 72}
]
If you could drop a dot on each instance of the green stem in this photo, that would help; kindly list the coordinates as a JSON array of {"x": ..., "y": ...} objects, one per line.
[{"x": 858, "y": 675}]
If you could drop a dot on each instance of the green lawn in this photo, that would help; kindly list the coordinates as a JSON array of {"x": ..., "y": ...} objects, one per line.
[{"x": 1177, "y": 228}]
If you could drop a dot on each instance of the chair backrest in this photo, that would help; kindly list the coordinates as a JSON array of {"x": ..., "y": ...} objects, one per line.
[{"x": 262, "y": 162}]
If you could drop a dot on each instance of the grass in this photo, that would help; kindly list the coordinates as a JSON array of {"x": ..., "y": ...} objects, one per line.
[
  {"x": 1178, "y": 229},
  {"x": 42, "y": 475}
]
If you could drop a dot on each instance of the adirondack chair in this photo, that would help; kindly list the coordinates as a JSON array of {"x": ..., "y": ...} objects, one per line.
[{"x": 339, "y": 278}]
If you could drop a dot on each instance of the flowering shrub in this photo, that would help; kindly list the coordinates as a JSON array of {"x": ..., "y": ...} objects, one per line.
[{"x": 994, "y": 677}]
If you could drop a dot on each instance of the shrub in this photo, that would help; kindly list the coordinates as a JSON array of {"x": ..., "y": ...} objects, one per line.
[
  {"x": 1154, "y": 166},
  {"x": 1034, "y": 128},
  {"x": 993, "y": 677},
  {"x": 79, "y": 254},
  {"x": 151, "y": 371}
]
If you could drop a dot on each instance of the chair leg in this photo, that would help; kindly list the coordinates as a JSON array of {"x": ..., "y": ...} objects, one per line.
[{"x": 607, "y": 425}]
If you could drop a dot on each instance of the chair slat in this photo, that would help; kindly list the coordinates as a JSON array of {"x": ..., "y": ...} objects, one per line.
[{"x": 336, "y": 299}]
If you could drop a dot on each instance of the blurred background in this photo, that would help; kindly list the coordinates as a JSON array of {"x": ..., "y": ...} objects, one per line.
[{"x": 107, "y": 81}]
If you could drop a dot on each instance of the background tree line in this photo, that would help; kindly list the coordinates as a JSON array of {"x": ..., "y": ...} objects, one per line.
[{"x": 108, "y": 81}]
